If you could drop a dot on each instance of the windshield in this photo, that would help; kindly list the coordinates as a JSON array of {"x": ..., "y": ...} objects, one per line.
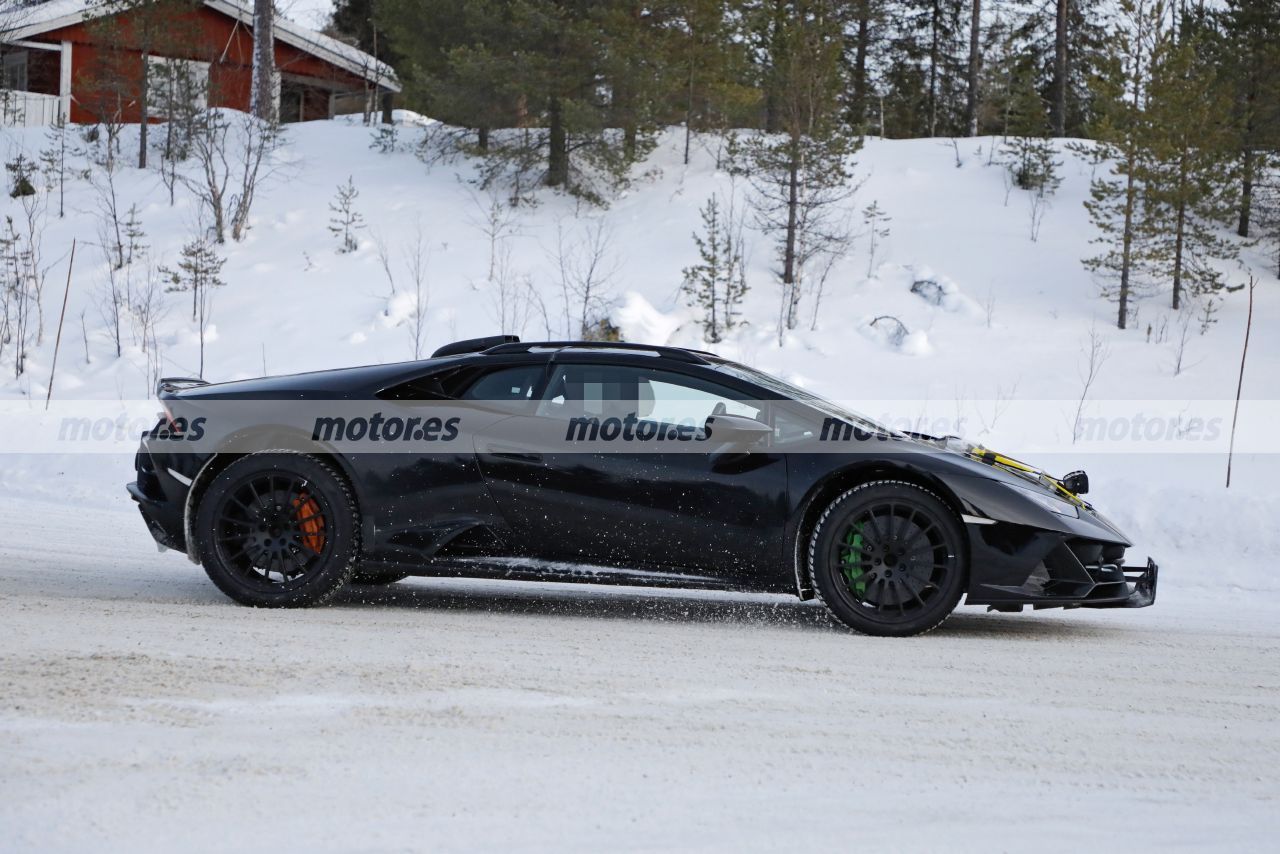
[{"x": 826, "y": 407}]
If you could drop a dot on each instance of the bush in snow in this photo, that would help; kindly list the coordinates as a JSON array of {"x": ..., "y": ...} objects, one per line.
[
  {"x": 928, "y": 290},
  {"x": 587, "y": 267},
  {"x": 892, "y": 334},
  {"x": 890, "y": 330},
  {"x": 233, "y": 155},
  {"x": 21, "y": 171},
  {"x": 940, "y": 291}
]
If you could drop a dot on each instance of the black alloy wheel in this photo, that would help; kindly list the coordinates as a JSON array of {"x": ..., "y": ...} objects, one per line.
[
  {"x": 888, "y": 558},
  {"x": 278, "y": 529}
]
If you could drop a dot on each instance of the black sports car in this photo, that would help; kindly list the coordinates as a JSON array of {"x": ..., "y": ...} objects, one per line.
[{"x": 609, "y": 463}]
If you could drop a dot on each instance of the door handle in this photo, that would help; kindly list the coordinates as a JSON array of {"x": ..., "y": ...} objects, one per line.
[{"x": 513, "y": 455}]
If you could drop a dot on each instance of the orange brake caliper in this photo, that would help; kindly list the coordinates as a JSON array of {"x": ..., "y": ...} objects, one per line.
[{"x": 307, "y": 512}]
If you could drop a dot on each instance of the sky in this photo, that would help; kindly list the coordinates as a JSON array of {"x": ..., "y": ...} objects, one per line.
[{"x": 311, "y": 13}]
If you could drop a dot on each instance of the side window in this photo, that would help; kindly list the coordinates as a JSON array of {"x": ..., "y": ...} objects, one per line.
[
  {"x": 591, "y": 390},
  {"x": 793, "y": 424},
  {"x": 505, "y": 385},
  {"x": 675, "y": 398},
  {"x": 604, "y": 391},
  {"x": 511, "y": 384}
]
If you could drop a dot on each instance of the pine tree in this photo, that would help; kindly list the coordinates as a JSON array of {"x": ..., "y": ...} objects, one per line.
[
  {"x": 198, "y": 270},
  {"x": 865, "y": 40},
  {"x": 974, "y": 68},
  {"x": 1124, "y": 145},
  {"x": 803, "y": 172},
  {"x": 1028, "y": 152},
  {"x": 634, "y": 60},
  {"x": 355, "y": 22},
  {"x": 566, "y": 72},
  {"x": 710, "y": 88},
  {"x": 717, "y": 283},
  {"x": 1062, "y": 46},
  {"x": 1266, "y": 210},
  {"x": 457, "y": 59},
  {"x": 346, "y": 220},
  {"x": 927, "y": 87},
  {"x": 1191, "y": 171},
  {"x": 1084, "y": 47},
  {"x": 1249, "y": 56}
]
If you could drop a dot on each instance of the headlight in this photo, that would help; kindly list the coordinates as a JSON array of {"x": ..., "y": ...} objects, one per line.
[{"x": 1049, "y": 502}]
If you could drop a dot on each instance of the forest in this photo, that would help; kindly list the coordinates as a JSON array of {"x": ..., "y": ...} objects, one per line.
[{"x": 1178, "y": 104}]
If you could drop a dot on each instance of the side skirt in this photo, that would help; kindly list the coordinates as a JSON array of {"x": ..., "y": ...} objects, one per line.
[{"x": 530, "y": 569}]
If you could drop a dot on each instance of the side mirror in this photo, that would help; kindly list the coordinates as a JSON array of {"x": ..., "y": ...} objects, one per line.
[
  {"x": 1077, "y": 482},
  {"x": 737, "y": 429}
]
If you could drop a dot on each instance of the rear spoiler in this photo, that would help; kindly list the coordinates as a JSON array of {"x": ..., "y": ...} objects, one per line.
[{"x": 168, "y": 386}]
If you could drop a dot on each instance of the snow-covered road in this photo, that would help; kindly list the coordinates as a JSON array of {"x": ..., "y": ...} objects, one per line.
[{"x": 140, "y": 710}]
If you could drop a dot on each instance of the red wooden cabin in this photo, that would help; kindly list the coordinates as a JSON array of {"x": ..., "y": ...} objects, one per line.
[{"x": 73, "y": 59}]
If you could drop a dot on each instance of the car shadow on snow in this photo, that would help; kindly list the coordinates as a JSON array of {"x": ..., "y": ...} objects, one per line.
[{"x": 680, "y": 606}]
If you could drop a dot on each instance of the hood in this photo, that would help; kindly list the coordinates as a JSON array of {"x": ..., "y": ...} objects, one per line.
[{"x": 1024, "y": 473}]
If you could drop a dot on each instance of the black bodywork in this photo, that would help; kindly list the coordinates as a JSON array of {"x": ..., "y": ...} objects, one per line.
[{"x": 486, "y": 506}]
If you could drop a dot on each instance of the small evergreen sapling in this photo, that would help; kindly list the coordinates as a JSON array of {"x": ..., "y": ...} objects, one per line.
[
  {"x": 133, "y": 235},
  {"x": 346, "y": 220},
  {"x": 198, "y": 271},
  {"x": 53, "y": 161},
  {"x": 21, "y": 171},
  {"x": 877, "y": 223},
  {"x": 717, "y": 283}
]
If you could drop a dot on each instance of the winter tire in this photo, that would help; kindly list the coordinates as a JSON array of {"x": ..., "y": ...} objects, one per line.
[
  {"x": 278, "y": 530},
  {"x": 888, "y": 558}
]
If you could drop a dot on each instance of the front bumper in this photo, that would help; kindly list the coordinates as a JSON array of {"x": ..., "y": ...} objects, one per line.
[
  {"x": 1144, "y": 587},
  {"x": 160, "y": 499},
  {"x": 163, "y": 520},
  {"x": 1101, "y": 586},
  {"x": 1016, "y": 565}
]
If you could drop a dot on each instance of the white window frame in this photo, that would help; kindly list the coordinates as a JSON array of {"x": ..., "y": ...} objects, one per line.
[{"x": 158, "y": 73}]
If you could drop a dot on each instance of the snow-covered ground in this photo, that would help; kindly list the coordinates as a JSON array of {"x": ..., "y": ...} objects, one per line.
[
  {"x": 1000, "y": 361},
  {"x": 144, "y": 712}
]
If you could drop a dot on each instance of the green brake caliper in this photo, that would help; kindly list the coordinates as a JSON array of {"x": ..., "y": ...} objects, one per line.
[{"x": 852, "y": 567}]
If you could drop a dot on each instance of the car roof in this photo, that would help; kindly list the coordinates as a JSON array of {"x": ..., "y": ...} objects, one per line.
[{"x": 495, "y": 345}]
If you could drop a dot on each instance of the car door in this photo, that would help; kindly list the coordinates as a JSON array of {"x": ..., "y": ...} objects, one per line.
[
  {"x": 681, "y": 503},
  {"x": 429, "y": 492}
]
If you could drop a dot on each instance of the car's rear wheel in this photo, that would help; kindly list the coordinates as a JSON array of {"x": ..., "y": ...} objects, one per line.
[
  {"x": 888, "y": 558},
  {"x": 278, "y": 529}
]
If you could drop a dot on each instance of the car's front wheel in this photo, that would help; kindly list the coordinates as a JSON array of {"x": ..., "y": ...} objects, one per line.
[
  {"x": 888, "y": 558},
  {"x": 278, "y": 529}
]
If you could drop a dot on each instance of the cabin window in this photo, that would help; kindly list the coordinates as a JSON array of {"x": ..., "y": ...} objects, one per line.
[
  {"x": 14, "y": 77},
  {"x": 177, "y": 86}
]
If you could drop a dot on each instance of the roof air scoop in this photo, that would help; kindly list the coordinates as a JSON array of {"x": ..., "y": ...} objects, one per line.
[{"x": 474, "y": 345}]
